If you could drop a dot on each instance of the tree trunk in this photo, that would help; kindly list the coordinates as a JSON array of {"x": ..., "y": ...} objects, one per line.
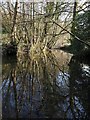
[
  {"x": 14, "y": 19},
  {"x": 73, "y": 20}
]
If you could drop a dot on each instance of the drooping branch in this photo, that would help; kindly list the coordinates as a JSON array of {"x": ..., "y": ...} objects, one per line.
[{"x": 77, "y": 38}]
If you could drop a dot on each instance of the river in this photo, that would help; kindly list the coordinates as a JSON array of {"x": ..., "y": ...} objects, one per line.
[{"x": 52, "y": 85}]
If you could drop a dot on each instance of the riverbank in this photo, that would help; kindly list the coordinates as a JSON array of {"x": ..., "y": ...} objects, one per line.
[{"x": 9, "y": 49}]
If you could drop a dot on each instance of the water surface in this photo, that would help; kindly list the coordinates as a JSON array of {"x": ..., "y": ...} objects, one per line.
[{"x": 52, "y": 85}]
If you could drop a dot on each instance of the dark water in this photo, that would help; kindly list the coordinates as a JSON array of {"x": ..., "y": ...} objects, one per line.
[{"x": 45, "y": 86}]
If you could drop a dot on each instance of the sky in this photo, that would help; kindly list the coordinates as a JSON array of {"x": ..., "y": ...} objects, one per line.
[{"x": 81, "y": 1}]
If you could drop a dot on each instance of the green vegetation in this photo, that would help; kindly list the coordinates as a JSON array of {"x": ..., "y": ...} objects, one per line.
[
  {"x": 37, "y": 80},
  {"x": 36, "y": 27},
  {"x": 82, "y": 31}
]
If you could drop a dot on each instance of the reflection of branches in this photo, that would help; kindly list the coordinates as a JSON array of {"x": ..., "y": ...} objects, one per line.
[
  {"x": 35, "y": 86},
  {"x": 76, "y": 98},
  {"x": 15, "y": 94},
  {"x": 11, "y": 80},
  {"x": 8, "y": 89}
]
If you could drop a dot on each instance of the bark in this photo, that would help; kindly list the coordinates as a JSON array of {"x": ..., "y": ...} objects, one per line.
[
  {"x": 14, "y": 17},
  {"x": 73, "y": 20}
]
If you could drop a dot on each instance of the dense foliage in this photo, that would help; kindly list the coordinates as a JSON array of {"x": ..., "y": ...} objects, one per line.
[{"x": 81, "y": 30}]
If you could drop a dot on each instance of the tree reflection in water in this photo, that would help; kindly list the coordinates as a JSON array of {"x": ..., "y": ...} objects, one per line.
[
  {"x": 79, "y": 88},
  {"x": 39, "y": 88}
]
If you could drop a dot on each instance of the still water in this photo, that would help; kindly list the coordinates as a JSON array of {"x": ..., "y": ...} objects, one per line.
[{"x": 52, "y": 85}]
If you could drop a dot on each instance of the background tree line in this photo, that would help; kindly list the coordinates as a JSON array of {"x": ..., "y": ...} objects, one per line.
[{"x": 39, "y": 25}]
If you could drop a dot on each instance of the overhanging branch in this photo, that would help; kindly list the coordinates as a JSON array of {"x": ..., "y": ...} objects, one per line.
[{"x": 71, "y": 34}]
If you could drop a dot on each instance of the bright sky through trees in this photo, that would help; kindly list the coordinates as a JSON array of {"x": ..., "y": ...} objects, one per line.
[{"x": 81, "y": 1}]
